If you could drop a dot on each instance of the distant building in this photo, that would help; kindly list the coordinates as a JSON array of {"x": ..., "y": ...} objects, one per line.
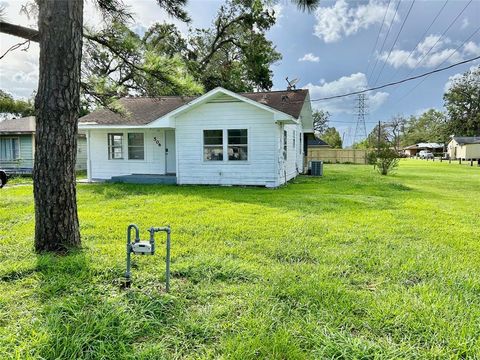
[
  {"x": 17, "y": 145},
  {"x": 465, "y": 148},
  {"x": 313, "y": 142},
  {"x": 413, "y": 150}
]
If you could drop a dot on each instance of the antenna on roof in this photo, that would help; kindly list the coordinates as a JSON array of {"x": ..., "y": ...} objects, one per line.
[{"x": 292, "y": 83}]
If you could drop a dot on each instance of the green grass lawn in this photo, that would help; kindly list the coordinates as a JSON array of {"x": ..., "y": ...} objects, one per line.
[{"x": 352, "y": 265}]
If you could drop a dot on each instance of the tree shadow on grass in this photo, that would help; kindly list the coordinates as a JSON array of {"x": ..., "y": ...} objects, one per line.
[{"x": 84, "y": 313}]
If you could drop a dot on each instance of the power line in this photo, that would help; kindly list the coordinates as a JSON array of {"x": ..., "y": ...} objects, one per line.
[
  {"x": 386, "y": 36},
  {"x": 441, "y": 36},
  {"x": 444, "y": 61},
  {"x": 394, "y": 42},
  {"x": 378, "y": 35},
  {"x": 396, "y": 82},
  {"x": 420, "y": 39}
]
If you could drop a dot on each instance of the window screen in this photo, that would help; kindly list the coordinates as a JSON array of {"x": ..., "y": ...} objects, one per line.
[
  {"x": 213, "y": 145},
  {"x": 238, "y": 144}
]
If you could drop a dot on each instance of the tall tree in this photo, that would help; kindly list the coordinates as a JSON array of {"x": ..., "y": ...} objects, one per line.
[
  {"x": 320, "y": 121},
  {"x": 428, "y": 127},
  {"x": 57, "y": 107},
  {"x": 57, "y": 104},
  {"x": 462, "y": 101},
  {"x": 332, "y": 137}
]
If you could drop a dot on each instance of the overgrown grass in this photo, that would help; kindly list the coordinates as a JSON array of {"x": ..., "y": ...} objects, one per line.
[{"x": 352, "y": 265}]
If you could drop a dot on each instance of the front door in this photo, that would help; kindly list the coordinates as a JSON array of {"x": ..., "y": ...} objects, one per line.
[{"x": 170, "y": 157}]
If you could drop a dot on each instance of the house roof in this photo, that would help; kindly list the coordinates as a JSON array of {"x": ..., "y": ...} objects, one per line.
[
  {"x": 316, "y": 142},
  {"x": 424, "y": 146},
  {"x": 467, "y": 139},
  {"x": 144, "y": 110},
  {"x": 17, "y": 126}
]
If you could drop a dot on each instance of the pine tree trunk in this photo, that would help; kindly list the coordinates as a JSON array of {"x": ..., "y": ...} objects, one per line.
[{"x": 57, "y": 107}]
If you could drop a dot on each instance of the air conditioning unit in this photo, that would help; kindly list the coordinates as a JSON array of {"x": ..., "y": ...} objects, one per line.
[{"x": 316, "y": 168}]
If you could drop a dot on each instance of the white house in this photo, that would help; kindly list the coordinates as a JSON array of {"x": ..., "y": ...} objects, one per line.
[
  {"x": 465, "y": 148},
  {"x": 220, "y": 138}
]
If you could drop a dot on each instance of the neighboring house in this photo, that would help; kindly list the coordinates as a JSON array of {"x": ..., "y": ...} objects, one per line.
[
  {"x": 313, "y": 142},
  {"x": 413, "y": 150},
  {"x": 220, "y": 138},
  {"x": 465, "y": 148},
  {"x": 17, "y": 145}
]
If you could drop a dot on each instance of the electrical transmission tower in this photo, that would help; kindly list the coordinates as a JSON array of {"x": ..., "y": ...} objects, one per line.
[{"x": 361, "y": 110}]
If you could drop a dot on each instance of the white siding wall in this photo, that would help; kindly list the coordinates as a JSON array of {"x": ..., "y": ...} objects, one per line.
[
  {"x": 103, "y": 168},
  {"x": 81, "y": 153},
  {"x": 294, "y": 164},
  {"x": 261, "y": 167}
]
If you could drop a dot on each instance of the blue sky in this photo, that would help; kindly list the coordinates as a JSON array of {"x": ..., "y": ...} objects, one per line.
[{"x": 329, "y": 50}]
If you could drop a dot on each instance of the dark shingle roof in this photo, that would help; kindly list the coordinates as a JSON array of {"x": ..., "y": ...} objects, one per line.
[
  {"x": 16, "y": 126},
  {"x": 140, "y": 111},
  {"x": 289, "y": 101},
  {"x": 467, "y": 139},
  {"x": 316, "y": 142},
  {"x": 143, "y": 110}
]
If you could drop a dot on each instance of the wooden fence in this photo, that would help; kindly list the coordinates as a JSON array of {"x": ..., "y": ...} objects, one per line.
[{"x": 341, "y": 156}]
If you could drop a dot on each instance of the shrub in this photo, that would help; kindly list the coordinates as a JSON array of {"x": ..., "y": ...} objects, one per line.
[{"x": 386, "y": 159}]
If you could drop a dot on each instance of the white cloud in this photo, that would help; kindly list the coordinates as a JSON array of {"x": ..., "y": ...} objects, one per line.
[
  {"x": 471, "y": 48},
  {"x": 465, "y": 23},
  {"x": 345, "y": 84},
  {"x": 278, "y": 9},
  {"x": 309, "y": 57},
  {"x": 340, "y": 20},
  {"x": 431, "y": 52}
]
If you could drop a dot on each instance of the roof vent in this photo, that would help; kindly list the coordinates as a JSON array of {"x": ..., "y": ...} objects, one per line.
[
  {"x": 263, "y": 99},
  {"x": 284, "y": 98}
]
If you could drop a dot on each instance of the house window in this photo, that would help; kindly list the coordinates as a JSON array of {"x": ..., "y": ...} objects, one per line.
[
  {"x": 9, "y": 149},
  {"x": 136, "y": 147},
  {"x": 115, "y": 146},
  {"x": 213, "y": 145},
  {"x": 285, "y": 147},
  {"x": 300, "y": 142},
  {"x": 238, "y": 144}
]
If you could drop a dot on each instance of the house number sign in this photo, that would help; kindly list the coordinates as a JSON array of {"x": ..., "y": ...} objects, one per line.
[{"x": 157, "y": 141}]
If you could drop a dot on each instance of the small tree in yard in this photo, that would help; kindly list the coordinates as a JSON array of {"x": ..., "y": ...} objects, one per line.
[
  {"x": 386, "y": 159},
  {"x": 386, "y": 138}
]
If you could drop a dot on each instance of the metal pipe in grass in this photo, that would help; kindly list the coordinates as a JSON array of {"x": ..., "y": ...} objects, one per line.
[
  {"x": 128, "y": 274},
  {"x": 146, "y": 248}
]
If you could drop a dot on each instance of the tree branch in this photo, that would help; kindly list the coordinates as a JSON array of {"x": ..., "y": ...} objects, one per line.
[
  {"x": 20, "y": 31},
  {"x": 15, "y": 47}
]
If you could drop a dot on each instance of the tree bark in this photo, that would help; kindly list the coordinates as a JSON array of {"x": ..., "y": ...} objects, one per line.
[{"x": 60, "y": 25}]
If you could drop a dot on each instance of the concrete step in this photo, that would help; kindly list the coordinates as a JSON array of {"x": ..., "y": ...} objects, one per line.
[{"x": 144, "y": 179}]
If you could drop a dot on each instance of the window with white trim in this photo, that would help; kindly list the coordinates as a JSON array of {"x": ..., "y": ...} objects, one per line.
[
  {"x": 10, "y": 148},
  {"x": 115, "y": 146},
  {"x": 213, "y": 145},
  {"x": 136, "y": 146},
  {"x": 238, "y": 144},
  {"x": 285, "y": 144}
]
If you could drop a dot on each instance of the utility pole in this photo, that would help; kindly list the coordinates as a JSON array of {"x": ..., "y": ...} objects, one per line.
[
  {"x": 378, "y": 135},
  {"x": 361, "y": 128}
]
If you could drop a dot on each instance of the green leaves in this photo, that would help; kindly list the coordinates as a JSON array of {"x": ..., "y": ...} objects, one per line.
[
  {"x": 462, "y": 101},
  {"x": 16, "y": 107}
]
